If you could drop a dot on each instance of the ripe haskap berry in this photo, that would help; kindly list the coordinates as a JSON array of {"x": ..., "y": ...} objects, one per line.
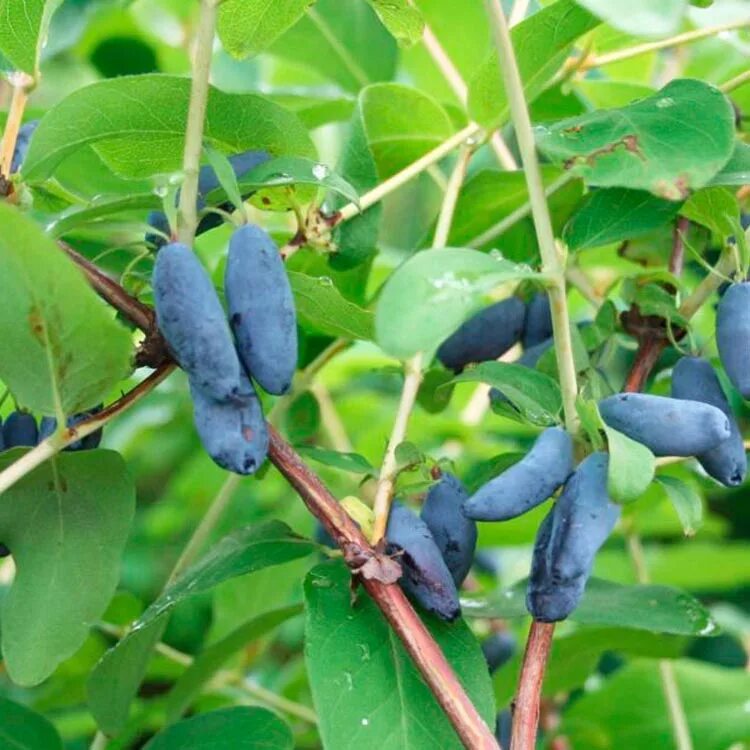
[
  {"x": 4, "y": 551},
  {"x": 454, "y": 533},
  {"x": 485, "y": 336},
  {"x": 538, "y": 325},
  {"x": 190, "y": 316},
  {"x": 694, "y": 378},
  {"x": 20, "y": 429},
  {"x": 22, "y": 144},
  {"x": 498, "y": 649},
  {"x": 527, "y": 483},
  {"x": 568, "y": 540},
  {"x": 234, "y": 434},
  {"x": 733, "y": 335},
  {"x": 261, "y": 309},
  {"x": 426, "y": 577},
  {"x": 666, "y": 426}
]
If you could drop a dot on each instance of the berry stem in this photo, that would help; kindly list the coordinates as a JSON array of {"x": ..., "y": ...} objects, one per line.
[
  {"x": 188, "y": 215},
  {"x": 21, "y": 83}
]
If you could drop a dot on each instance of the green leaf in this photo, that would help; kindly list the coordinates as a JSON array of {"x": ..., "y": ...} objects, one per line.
[
  {"x": 631, "y": 467},
  {"x": 403, "y": 20},
  {"x": 247, "y": 27},
  {"x": 238, "y": 727},
  {"x": 241, "y": 552},
  {"x": 295, "y": 170},
  {"x": 321, "y": 306},
  {"x": 211, "y": 659},
  {"x": 99, "y": 208},
  {"x": 114, "y": 681},
  {"x": 62, "y": 350},
  {"x": 629, "y": 709},
  {"x": 542, "y": 42},
  {"x": 24, "y": 729},
  {"x": 352, "y": 653},
  {"x": 429, "y": 296},
  {"x": 659, "y": 609},
  {"x": 591, "y": 422},
  {"x": 535, "y": 395},
  {"x": 137, "y": 125},
  {"x": 401, "y": 124},
  {"x": 489, "y": 196},
  {"x": 737, "y": 170},
  {"x": 351, "y": 462},
  {"x": 68, "y": 557},
  {"x": 351, "y": 49},
  {"x": 640, "y": 17},
  {"x": 432, "y": 396},
  {"x": 224, "y": 172},
  {"x": 616, "y": 214},
  {"x": 315, "y": 111},
  {"x": 23, "y": 30},
  {"x": 686, "y": 501},
  {"x": 670, "y": 143},
  {"x": 716, "y": 208},
  {"x": 357, "y": 238}
]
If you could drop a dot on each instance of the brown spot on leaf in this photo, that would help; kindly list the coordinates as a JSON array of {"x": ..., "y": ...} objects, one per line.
[{"x": 37, "y": 324}]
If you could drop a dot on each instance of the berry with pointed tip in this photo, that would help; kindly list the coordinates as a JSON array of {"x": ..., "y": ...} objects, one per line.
[
  {"x": 190, "y": 316},
  {"x": 426, "y": 577},
  {"x": 538, "y": 325},
  {"x": 527, "y": 483},
  {"x": 485, "y": 336},
  {"x": 733, "y": 335},
  {"x": 234, "y": 434},
  {"x": 454, "y": 533},
  {"x": 694, "y": 378},
  {"x": 20, "y": 430},
  {"x": 666, "y": 426},
  {"x": 261, "y": 308}
]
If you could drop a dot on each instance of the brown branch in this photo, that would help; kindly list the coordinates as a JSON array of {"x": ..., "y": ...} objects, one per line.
[
  {"x": 530, "y": 683},
  {"x": 376, "y": 571},
  {"x": 153, "y": 350},
  {"x": 371, "y": 564}
]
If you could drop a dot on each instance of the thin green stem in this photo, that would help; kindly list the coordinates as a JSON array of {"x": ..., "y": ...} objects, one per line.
[
  {"x": 99, "y": 742},
  {"x": 552, "y": 263},
  {"x": 21, "y": 84},
  {"x": 736, "y": 82},
  {"x": 413, "y": 367},
  {"x": 677, "y": 717},
  {"x": 370, "y": 198},
  {"x": 520, "y": 213},
  {"x": 188, "y": 215},
  {"x": 595, "y": 61},
  {"x": 206, "y": 527}
]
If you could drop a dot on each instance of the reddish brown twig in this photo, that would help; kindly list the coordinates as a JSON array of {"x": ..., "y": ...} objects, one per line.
[
  {"x": 153, "y": 349},
  {"x": 391, "y": 601},
  {"x": 530, "y": 683},
  {"x": 376, "y": 570}
]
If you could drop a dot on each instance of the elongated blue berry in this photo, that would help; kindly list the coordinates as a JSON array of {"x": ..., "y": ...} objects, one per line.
[
  {"x": 486, "y": 336},
  {"x": 538, "y": 325},
  {"x": 527, "y": 483},
  {"x": 733, "y": 335},
  {"x": 454, "y": 533},
  {"x": 193, "y": 322},
  {"x": 425, "y": 577},
  {"x": 667, "y": 426},
  {"x": 234, "y": 434},
  {"x": 20, "y": 429},
  {"x": 568, "y": 540},
  {"x": 48, "y": 425},
  {"x": 261, "y": 309},
  {"x": 694, "y": 378}
]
